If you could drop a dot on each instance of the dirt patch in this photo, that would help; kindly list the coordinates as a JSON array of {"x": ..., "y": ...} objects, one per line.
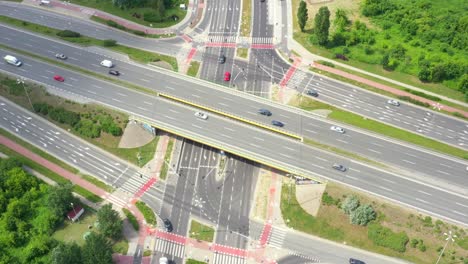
[
  {"x": 135, "y": 136},
  {"x": 310, "y": 197},
  {"x": 259, "y": 210},
  {"x": 162, "y": 64}
]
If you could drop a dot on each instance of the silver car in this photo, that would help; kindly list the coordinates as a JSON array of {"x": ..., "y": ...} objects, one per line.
[
  {"x": 201, "y": 115},
  {"x": 337, "y": 129},
  {"x": 393, "y": 102}
]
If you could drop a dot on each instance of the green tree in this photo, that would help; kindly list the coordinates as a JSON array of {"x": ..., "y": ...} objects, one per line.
[
  {"x": 97, "y": 250},
  {"x": 302, "y": 15},
  {"x": 322, "y": 25},
  {"x": 341, "y": 20},
  {"x": 463, "y": 84},
  {"x": 110, "y": 223},
  {"x": 363, "y": 215},
  {"x": 60, "y": 199},
  {"x": 350, "y": 204},
  {"x": 66, "y": 253}
]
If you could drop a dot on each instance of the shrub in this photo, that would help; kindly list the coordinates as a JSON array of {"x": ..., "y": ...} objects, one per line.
[
  {"x": 68, "y": 34},
  {"x": 350, "y": 204},
  {"x": 428, "y": 96},
  {"x": 414, "y": 242},
  {"x": 139, "y": 33},
  {"x": 327, "y": 199},
  {"x": 109, "y": 43},
  {"x": 114, "y": 24},
  {"x": 385, "y": 237},
  {"x": 41, "y": 108},
  {"x": 421, "y": 246},
  {"x": 363, "y": 215},
  {"x": 413, "y": 101},
  {"x": 88, "y": 129},
  {"x": 131, "y": 218}
]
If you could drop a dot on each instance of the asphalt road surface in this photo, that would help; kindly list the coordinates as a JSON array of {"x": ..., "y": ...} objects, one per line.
[{"x": 240, "y": 138}]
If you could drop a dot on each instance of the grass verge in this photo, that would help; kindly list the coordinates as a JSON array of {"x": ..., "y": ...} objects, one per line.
[
  {"x": 147, "y": 253},
  {"x": 193, "y": 261},
  {"x": 147, "y": 213},
  {"x": 120, "y": 247},
  {"x": 145, "y": 152},
  {"x": 200, "y": 231},
  {"x": 309, "y": 104},
  {"x": 246, "y": 22},
  {"x": 131, "y": 218},
  {"x": 110, "y": 23},
  {"x": 98, "y": 183},
  {"x": 242, "y": 52},
  {"x": 134, "y": 54},
  {"x": 193, "y": 69},
  {"x": 167, "y": 159},
  {"x": 49, "y": 174}
]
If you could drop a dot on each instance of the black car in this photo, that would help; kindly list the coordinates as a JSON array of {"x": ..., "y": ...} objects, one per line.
[
  {"x": 114, "y": 72},
  {"x": 264, "y": 112},
  {"x": 312, "y": 93},
  {"x": 339, "y": 167},
  {"x": 277, "y": 123},
  {"x": 221, "y": 59},
  {"x": 356, "y": 261},
  {"x": 167, "y": 225}
]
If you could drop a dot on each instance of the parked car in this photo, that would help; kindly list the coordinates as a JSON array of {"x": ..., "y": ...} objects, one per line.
[
  {"x": 221, "y": 59},
  {"x": 227, "y": 76},
  {"x": 339, "y": 167},
  {"x": 277, "y": 123},
  {"x": 201, "y": 115},
  {"x": 60, "y": 56},
  {"x": 337, "y": 129},
  {"x": 393, "y": 102},
  {"x": 59, "y": 78},
  {"x": 312, "y": 93},
  {"x": 356, "y": 261},
  {"x": 264, "y": 112},
  {"x": 114, "y": 72},
  {"x": 167, "y": 225}
]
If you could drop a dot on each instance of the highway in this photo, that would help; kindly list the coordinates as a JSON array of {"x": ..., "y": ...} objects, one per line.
[
  {"x": 247, "y": 140},
  {"x": 413, "y": 161}
]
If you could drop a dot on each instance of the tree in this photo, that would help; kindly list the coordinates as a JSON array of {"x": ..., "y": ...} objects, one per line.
[
  {"x": 362, "y": 215},
  {"x": 341, "y": 20},
  {"x": 322, "y": 25},
  {"x": 60, "y": 199},
  {"x": 97, "y": 250},
  {"x": 302, "y": 15},
  {"x": 66, "y": 253},
  {"x": 110, "y": 223},
  {"x": 463, "y": 84},
  {"x": 350, "y": 204}
]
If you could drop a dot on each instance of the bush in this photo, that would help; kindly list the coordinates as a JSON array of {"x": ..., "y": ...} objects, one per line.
[
  {"x": 64, "y": 116},
  {"x": 88, "y": 129},
  {"x": 385, "y": 237},
  {"x": 363, "y": 215},
  {"x": 41, "y": 108},
  {"x": 68, "y": 34},
  {"x": 428, "y": 96},
  {"x": 414, "y": 242},
  {"x": 138, "y": 32},
  {"x": 328, "y": 200},
  {"x": 114, "y": 24},
  {"x": 413, "y": 101},
  {"x": 350, "y": 204},
  {"x": 109, "y": 43},
  {"x": 131, "y": 218}
]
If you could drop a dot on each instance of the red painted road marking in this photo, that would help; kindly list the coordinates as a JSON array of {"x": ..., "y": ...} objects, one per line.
[
  {"x": 265, "y": 234},
  {"x": 190, "y": 55},
  {"x": 187, "y": 38},
  {"x": 221, "y": 44},
  {"x": 229, "y": 250},
  {"x": 289, "y": 73},
  {"x": 262, "y": 46},
  {"x": 171, "y": 237},
  {"x": 145, "y": 187}
]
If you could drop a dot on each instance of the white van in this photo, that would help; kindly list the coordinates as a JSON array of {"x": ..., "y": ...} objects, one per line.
[
  {"x": 12, "y": 60},
  {"x": 107, "y": 63}
]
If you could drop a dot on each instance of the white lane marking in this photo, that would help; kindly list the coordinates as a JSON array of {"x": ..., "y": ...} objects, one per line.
[
  {"x": 253, "y": 145},
  {"x": 169, "y": 117},
  {"x": 117, "y": 100},
  {"x": 96, "y": 86},
  {"x": 354, "y": 170},
  {"x": 227, "y": 128},
  {"x": 313, "y": 132},
  {"x": 423, "y": 192},
  {"x": 340, "y": 140},
  {"x": 443, "y": 172},
  {"x": 144, "y": 80},
  {"x": 464, "y": 205},
  {"x": 257, "y": 138},
  {"x": 288, "y": 148},
  {"x": 387, "y": 180},
  {"x": 121, "y": 94},
  {"x": 373, "y": 143},
  {"x": 196, "y": 96},
  {"x": 285, "y": 116},
  {"x": 73, "y": 79},
  {"x": 141, "y": 108},
  {"x": 445, "y": 165},
  {"x": 385, "y": 188},
  {"x": 375, "y": 151},
  {"x": 459, "y": 213},
  {"x": 351, "y": 177},
  {"x": 148, "y": 103},
  {"x": 421, "y": 200},
  {"x": 91, "y": 92},
  {"x": 411, "y": 155},
  {"x": 170, "y": 88},
  {"x": 173, "y": 111},
  {"x": 199, "y": 127},
  {"x": 318, "y": 166},
  {"x": 319, "y": 158},
  {"x": 282, "y": 154},
  {"x": 226, "y": 98},
  {"x": 223, "y": 104},
  {"x": 410, "y": 162},
  {"x": 225, "y": 136}
]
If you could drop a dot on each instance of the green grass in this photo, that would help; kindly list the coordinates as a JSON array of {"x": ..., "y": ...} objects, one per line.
[
  {"x": 141, "y": 33},
  {"x": 193, "y": 69},
  {"x": 242, "y": 52},
  {"x": 108, "y": 7},
  {"x": 192, "y": 261},
  {"x": 98, "y": 183},
  {"x": 148, "y": 214},
  {"x": 120, "y": 247},
  {"x": 69, "y": 231},
  {"x": 246, "y": 21},
  {"x": 135, "y": 54},
  {"x": 147, "y": 253},
  {"x": 131, "y": 218},
  {"x": 200, "y": 231},
  {"x": 167, "y": 159},
  {"x": 381, "y": 128},
  {"x": 146, "y": 152}
]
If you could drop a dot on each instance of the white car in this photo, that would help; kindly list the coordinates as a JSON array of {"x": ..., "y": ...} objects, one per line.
[
  {"x": 201, "y": 115},
  {"x": 337, "y": 129},
  {"x": 107, "y": 63},
  {"x": 163, "y": 260},
  {"x": 393, "y": 102}
]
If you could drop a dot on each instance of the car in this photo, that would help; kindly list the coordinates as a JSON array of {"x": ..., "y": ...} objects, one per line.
[
  {"x": 277, "y": 123},
  {"x": 59, "y": 78},
  {"x": 264, "y": 112},
  {"x": 107, "y": 63},
  {"x": 114, "y": 72},
  {"x": 60, "y": 56},
  {"x": 337, "y": 129},
  {"x": 201, "y": 115},
  {"x": 312, "y": 93},
  {"x": 356, "y": 261},
  {"x": 393, "y": 102},
  {"x": 167, "y": 225},
  {"x": 339, "y": 167},
  {"x": 221, "y": 59},
  {"x": 227, "y": 76},
  {"x": 163, "y": 260}
]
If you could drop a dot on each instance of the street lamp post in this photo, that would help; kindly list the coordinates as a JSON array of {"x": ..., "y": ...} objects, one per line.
[
  {"x": 21, "y": 81},
  {"x": 449, "y": 237}
]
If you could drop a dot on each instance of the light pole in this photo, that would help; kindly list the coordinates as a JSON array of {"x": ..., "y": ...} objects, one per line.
[
  {"x": 449, "y": 237},
  {"x": 21, "y": 81}
]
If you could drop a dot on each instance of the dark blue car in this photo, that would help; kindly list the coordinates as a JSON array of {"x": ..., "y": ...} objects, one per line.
[
  {"x": 264, "y": 112},
  {"x": 277, "y": 123}
]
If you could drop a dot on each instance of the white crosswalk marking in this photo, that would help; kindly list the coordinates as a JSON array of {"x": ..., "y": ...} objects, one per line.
[
  {"x": 170, "y": 248},
  {"x": 118, "y": 202},
  {"x": 277, "y": 237},
  {"x": 227, "y": 259},
  {"x": 215, "y": 38},
  {"x": 134, "y": 183}
]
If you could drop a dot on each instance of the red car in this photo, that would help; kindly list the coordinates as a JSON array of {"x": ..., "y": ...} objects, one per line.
[
  {"x": 227, "y": 76},
  {"x": 59, "y": 78}
]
